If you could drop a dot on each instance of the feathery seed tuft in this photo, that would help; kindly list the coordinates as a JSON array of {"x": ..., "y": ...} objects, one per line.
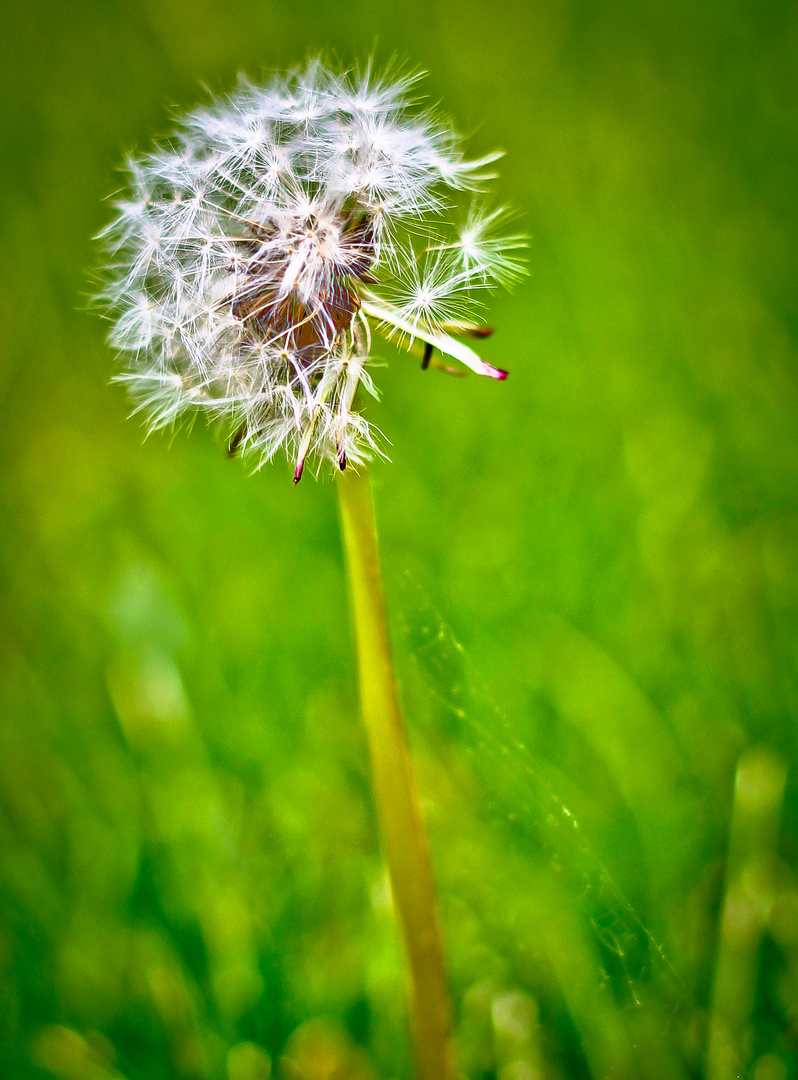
[{"x": 252, "y": 256}]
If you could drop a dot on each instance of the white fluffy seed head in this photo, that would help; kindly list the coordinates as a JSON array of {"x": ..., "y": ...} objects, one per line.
[{"x": 249, "y": 256}]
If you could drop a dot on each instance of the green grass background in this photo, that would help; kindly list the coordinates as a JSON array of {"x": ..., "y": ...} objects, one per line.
[{"x": 592, "y": 572}]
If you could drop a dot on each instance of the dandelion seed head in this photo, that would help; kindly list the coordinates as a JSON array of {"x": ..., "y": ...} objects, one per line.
[{"x": 251, "y": 255}]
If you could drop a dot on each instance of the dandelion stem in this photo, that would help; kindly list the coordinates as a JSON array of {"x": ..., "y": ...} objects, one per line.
[{"x": 395, "y": 792}]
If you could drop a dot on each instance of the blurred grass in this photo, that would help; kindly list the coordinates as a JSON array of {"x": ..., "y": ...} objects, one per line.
[{"x": 593, "y": 571}]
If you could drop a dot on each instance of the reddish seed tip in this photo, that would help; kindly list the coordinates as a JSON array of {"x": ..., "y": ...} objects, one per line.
[
  {"x": 342, "y": 461},
  {"x": 481, "y": 331},
  {"x": 298, "y": 472},
  {"x": 496, "y": 373}
]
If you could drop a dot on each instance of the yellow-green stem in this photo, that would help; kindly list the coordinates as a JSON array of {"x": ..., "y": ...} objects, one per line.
[{"x": 395, "y": 793}]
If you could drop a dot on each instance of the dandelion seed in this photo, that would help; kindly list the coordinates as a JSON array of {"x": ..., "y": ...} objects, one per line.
[{"x": 253, "y": 255}]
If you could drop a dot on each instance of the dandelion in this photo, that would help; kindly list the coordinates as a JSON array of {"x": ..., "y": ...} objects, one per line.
[
  {"x": 251, "y": 263},
  {"x": 254, "y": 256}
]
